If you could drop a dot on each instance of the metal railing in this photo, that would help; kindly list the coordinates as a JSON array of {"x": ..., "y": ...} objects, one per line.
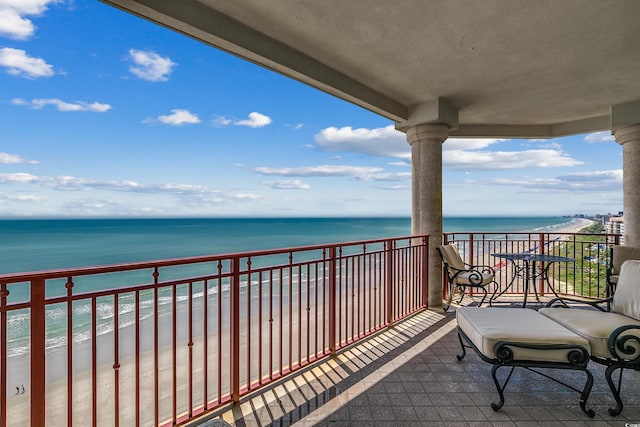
[
  {"x": 586, "y": 277},
  {"x": 163, "y": 341}
]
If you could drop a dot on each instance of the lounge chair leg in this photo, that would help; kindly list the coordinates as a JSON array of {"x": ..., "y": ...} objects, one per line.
[
  {"x": 484, "y": 296},
  {"x": 500, "y": 387},
  {"x": 585, "y": 395},
  {"x": 464, "y": 348},
  {"x": 615, "y": 390}
]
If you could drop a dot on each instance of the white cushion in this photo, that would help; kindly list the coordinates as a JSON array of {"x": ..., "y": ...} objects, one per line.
[
  {"x": 626, "y": 298},
  {"x": 485, "y": 327},
  {"x": 594, "y": 325},
  {"x": 467, "y": 277},
  {"x": 452, "y": 256}
]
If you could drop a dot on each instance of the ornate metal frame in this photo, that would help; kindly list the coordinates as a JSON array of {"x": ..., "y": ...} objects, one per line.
[
  {"x": 577, "y": 359},
  {"x": 625, "y": 349}
]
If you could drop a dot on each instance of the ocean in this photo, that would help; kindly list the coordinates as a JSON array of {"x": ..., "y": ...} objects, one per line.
[{"x": 43, "y": 244}]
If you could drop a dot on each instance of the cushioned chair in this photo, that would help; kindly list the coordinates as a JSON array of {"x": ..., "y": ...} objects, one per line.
[
  {"x": 462, "y": 275},
  {"x": 613, "y": 331}
]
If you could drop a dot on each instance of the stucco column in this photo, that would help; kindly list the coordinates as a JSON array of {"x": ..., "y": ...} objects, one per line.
[
  {"x": 629, "y": 138},
  {"x": 426, "y": 209}
]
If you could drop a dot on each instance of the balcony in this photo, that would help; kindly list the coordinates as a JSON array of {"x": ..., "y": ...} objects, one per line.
[{"x": 297, "y": 329}]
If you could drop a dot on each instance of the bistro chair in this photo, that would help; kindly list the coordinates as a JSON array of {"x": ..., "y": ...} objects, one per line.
[{"x": 462, "y": 275}]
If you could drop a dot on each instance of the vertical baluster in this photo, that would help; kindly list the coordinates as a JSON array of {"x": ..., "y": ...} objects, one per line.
[
  {"x": 260, "y": 327},
  {"x": 235, "y": 329},
  {"x": 38, "y": 356},
  {"x": 205, "y": 346},
  {"x": 174, "y": 353},
  {"x": 309, "y": 312},
  {"x": 137, "y": 344},
  {"x": 290, "y": 310},
  {"x": 219, "y": 331},
  {"x": 249, "y": 320},
  {"x": 218, "y": 328},
  {"x": 332, "y": 300},
  {"x": 156, "y": 368},
  {"x": 389, "y": 282},
  {"x": 270, "y": 324},
  {"x": 69, "y": 288},
  {"x": 190, "y": 343},
  {"x": 299, "y": 358},
  {"x": 280, "y": 316},
  {"x": 352, "y": 281},
  {"x": 116, "y": 361},
  {"x": 4, "y": 293},
  {"x": 315, "y": 290},
  {"x": 94, "y": 362},
  {"x": 425, "y": 271}
]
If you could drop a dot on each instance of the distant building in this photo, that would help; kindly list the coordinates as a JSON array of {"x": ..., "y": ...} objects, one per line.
[{"x": 615, "y": 225}]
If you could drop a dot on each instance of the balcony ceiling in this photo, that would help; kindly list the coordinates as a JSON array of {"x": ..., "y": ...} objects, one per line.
[{"x": 487, "y": 68}]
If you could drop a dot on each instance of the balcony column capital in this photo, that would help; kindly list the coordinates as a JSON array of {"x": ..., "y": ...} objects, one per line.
[
  {"x": 427, "y": 132},
  {"x": 627, "y": 134}
]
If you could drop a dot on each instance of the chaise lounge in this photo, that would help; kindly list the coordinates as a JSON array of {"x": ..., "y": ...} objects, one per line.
[{"x": 613, "y": 330}]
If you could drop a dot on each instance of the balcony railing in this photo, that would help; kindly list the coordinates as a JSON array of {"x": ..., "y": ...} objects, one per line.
[
  {"x": 586, "y": 277},
  {"x": 157, "y": 343}
]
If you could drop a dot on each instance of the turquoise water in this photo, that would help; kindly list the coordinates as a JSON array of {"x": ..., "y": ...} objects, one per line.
[{"x": 31, "y": 245}]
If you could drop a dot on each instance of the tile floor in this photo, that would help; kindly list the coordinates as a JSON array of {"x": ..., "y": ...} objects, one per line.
[{"x": 409, "y": 376}]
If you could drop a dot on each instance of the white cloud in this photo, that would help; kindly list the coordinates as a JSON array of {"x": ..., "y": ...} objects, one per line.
[
  {"x": 465, "y": 144},
  {"x": 457, "y": 153},
  {"x": 12, "y": 159},
  {"x": 364, "y": 173},
  {"x": 604, "y": 136},
  {"x": 395, "y": 187},
  {"x": 19, "y": 64},
  {"x": 220, "y": 121},
  {"x": 610, "y": 180},
  {"x": 287, "y": 184},
  {"x": 178, "y": 117},
  {"x": 150, "y": 66},
  {"x": 13, "y": 21},
  {"x": 63, "y": 106},
  {"x": 402, "y": 164},
  {"x": 19, "y": 178},
  {"x": 495, "y": 160},
  {"x": 76, "y": 184},
  {"x": 255, "y": 120},
  {"x": 384, "y": 142}
]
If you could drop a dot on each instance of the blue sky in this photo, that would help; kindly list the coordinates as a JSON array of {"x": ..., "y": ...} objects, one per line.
[{"x": 104, "y": 114}]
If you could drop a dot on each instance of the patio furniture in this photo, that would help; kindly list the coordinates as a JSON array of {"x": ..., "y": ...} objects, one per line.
[
  {"x": 520, "y": 337},
  {"x": 530, "y": 266},
  {"x": 613, "y": 332},
  {"x": 462, "y": 275}
]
